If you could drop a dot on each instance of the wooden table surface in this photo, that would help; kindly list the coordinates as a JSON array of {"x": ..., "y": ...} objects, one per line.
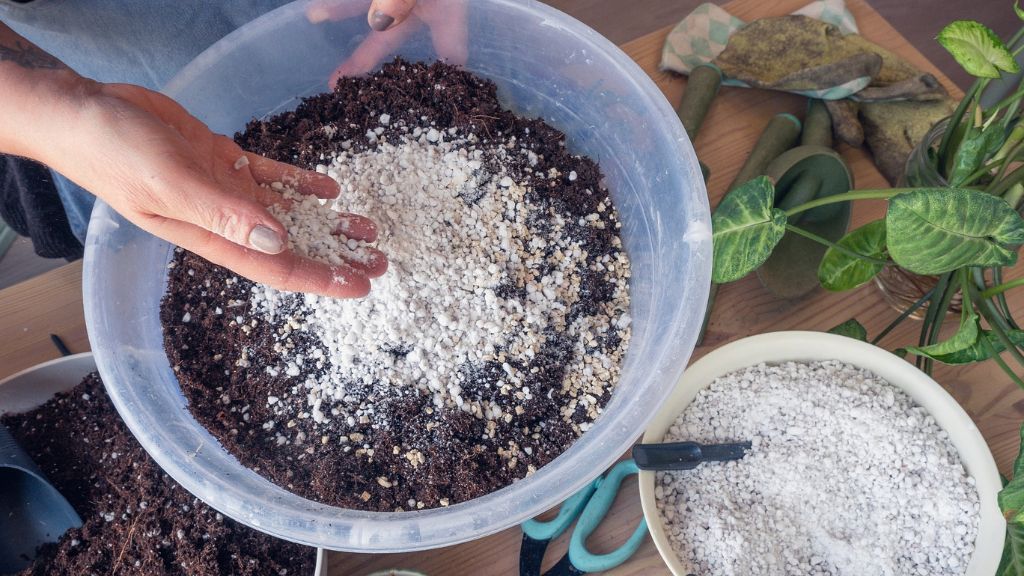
[{"x": 31, "y": 311}]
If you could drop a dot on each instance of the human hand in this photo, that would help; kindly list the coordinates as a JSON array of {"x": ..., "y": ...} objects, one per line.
[
  {"x": 165, "y": 171},
  {"x": 393, "y": 21}
]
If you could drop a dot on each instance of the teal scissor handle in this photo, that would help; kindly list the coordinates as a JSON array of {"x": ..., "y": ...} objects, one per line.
[
  {"x": 568, "y": 512},
  {"x": 592, "y": 515}
]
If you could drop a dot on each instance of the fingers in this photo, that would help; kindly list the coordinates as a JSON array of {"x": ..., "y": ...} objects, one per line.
[
  {"x": 373, "y": 50},
  {"x": 232, "y": 171},
  {"x": 449, "y": 30},
  {"x": 265, "y": 171},
  {"x": 324, "y": 10},
  {"x": 356, "y": 227},
  {"x": 239, "y": 218},
  {"x": 285, "y": 271},
  {"x": 384, "y": 14},
  {"x": 367, "y": 260}
]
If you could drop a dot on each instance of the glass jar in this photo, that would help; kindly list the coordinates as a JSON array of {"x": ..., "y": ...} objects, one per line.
[{"x": 902, "y": 288}]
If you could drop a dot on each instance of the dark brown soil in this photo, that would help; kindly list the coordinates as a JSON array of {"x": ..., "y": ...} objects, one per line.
[
  {"x": 136, "y": 520},
  {"x": 460, "y": 459}
]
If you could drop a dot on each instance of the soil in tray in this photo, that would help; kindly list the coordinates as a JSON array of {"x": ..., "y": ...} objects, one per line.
[
  {"x": 394, "y": 443},
  {"x": 136, "y": 520}
]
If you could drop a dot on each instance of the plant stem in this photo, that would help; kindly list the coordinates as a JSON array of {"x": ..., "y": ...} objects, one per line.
[
  {"x": 1010, "y": 114},
  {"x": 1000, "y": 288},
  {"x": 1013, "y": 139},
  {"x": 990, "y": 349},
  {"x": 1014, "y": 39},
  {"x": 938, "y": 295},
  {"x": 1009, "y": 100},
  {"x": 940, "y": 317},
  {"x": 997, "y": 278},
  {"x": 903, "y": 316},
  {"x": 985, "y": 169},
  {"x": 958, "y": 115},
  {"x": 996, "y": 322},
  {"x": 1014, "y": 194},
  {"x": 985, "y": 308},
  {"x": 1004, "y": 157},
  {"x": 965, "y": 290},
  {"x": 998, "y": 187},
  {"x": 1004, "y": 165},
  {"x": 812, "y": 236},
  {"x": 846, "y": 197}
]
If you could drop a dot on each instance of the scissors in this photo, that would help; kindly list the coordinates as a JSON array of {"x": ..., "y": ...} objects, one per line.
[{"x": 589, "y": 506}]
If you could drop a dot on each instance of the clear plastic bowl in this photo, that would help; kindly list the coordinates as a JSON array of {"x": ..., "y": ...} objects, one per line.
[{"x": 545, "y": 64}]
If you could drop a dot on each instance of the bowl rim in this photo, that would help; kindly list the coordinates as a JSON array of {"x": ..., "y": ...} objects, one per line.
[
  {"x": 70, "y": 359},
  {"x": 602, "y": 451},
  {"x": 796, "y": 345},
  {"x": 61, "y": 375},
  {"x": 27, "y": 389}
]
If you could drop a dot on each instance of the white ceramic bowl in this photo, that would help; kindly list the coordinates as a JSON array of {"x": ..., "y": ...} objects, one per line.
[{"x": 778, "y": 347}]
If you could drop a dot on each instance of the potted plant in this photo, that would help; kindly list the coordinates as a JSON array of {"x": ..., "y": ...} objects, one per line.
[
  {"x": 956, "y": 219},
  {"x": 964, "y": 229}
]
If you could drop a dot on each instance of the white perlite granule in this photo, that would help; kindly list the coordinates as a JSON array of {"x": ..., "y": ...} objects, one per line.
[
  {"x": 458, "y": 233},
  {"x": 846, "y": 476}
]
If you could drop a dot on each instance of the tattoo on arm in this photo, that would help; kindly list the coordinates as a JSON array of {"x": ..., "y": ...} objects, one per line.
[{"x": 27, "y": 55}]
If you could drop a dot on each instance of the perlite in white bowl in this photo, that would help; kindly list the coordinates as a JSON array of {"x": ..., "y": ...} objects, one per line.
[{"x": 860, "y": 464}]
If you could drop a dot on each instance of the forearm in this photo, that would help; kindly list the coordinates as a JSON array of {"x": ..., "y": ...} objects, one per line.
[{"x": 37, "y": 95}]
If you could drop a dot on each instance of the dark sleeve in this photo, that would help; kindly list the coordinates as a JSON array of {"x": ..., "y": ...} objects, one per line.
[{"x": 29, "y": 203}]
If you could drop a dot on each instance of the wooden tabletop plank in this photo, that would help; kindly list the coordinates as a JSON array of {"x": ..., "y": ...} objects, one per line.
[{"x": 32, "y": 310}]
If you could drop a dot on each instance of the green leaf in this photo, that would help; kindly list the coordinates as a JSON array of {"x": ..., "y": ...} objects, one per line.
[
  {"x": 1016, "y": 8},
  {"x": 977, "y": 49},
  {"x": 1018, "y": 464},
  {"x": 1011, "y": 500},
  {"x": 851, "y": 329},
  {"x": 938, "y": 230},
  {"x": 1005, "y": 562},
  {"x": 1011, "y": 497},
  {"x": 745, "y": 228},
  {"x": 1012, "y": 563},
  {"x": 979, "y": 352},
  {"x": 839, "y": 271},
  {"x": 975, "y": 147},
  {"x": 966, "y": 336}
]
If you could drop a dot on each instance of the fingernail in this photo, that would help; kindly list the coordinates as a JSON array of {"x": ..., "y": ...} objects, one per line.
[
  {"x": 265, "y": 239},
  {"x": 380, "y": 21}
]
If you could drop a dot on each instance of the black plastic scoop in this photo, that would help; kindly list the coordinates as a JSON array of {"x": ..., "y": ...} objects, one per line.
[
  {"x": 685, "y": 455},
  {"x": 32, "y": 511}
]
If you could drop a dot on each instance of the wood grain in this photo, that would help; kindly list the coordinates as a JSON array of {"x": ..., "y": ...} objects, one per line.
[{"x": 32, "y": 310}]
